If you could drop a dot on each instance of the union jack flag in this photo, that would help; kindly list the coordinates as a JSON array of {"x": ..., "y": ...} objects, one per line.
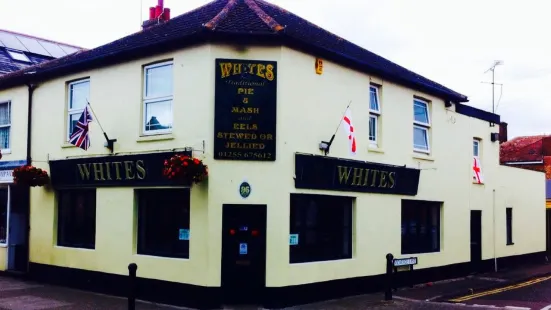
[{"x": 80, "y": 137}]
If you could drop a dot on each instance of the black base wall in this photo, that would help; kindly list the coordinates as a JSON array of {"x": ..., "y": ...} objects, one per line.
[{"x": 274, "y": 297}]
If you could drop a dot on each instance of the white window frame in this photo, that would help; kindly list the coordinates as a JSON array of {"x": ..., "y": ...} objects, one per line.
[
  {"x": 374, "y": 114},
  {"x": 69, "y": 98},
  {"x": 17, "y": 55},
  {"x": 147, "y": 100},
  {"x": 422, "y": 125},
  {"x": 8, "y": 150}
]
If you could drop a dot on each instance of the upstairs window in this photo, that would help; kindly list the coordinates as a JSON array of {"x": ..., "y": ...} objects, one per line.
[
  {"x": 374, "y": 114},
  {"x": 5, "y": 125},
  {"x": 157, "y": 99},
  {"x": 19, "y": 56},
  {"x": 421, "y": 126},
  {"x": 79, "y": 92},
  {"x": 476, "y": 148}
]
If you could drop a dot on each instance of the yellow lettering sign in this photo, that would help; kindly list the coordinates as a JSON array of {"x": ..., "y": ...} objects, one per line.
[
  {"x": 98, "y": 172},
  {"x": 103, "y": 171},
  {"x": 238, "y": 126},
  {"x": 366, "y": 177},
  {"x": 245, "y": 110},
  {"x": 84, "y": 170},
  {"x": 232, "y": 68}
]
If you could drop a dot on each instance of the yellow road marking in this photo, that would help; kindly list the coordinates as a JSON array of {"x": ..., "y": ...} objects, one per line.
[{"x": 499, "y": 290}]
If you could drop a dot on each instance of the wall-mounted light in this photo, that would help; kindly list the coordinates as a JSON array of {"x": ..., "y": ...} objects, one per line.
[
  {"x": 494, "y": 136},
  {"x": 324, "y": 146},
  {"x": 447, "y": 103}
]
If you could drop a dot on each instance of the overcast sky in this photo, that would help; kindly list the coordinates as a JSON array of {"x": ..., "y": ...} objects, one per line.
[{"x": 451, "y": 42}]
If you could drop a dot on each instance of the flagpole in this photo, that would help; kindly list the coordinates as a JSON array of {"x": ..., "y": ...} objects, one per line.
[
  {"x": 337, "y": 129},
  {"x": 110, "y": 142}
]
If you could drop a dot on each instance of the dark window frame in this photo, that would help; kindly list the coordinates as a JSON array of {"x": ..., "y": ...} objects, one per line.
[
  {"x": 509, "y": 225},
  {"x": 148, "y": 244},
  {"x": 420, "y": 240},
  {"x": 70, "y": 224},
  {"x": 319, "y": 241}
]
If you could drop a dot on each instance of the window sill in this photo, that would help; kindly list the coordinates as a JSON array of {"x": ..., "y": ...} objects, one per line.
[
  {"x": 375, "y": 149},
  {"x": 162, "y": 257},
  {"x": 159, "y": 137},
  {"x": 423, "y": 156},
  {"x": 3, "y": 245},
  {"x": 74, "y": 248},
  {"x": 67, "y": 145},
  {"x": 5, "y": 151}
]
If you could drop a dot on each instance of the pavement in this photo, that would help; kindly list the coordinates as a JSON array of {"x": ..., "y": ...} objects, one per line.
[
  {"x": 16, "y": 294},
  {"x": 524, "y": 288}
]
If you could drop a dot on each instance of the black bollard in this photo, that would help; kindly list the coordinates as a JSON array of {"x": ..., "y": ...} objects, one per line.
[
  {"x": 388, "y": 284},
  {"x": 132, "y": 286}
]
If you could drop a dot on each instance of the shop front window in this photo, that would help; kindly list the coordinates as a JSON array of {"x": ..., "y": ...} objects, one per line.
[
  {"x": 420, "y": 226},
  {"x": 321, "y": 228},
  {"x": 163, "y": 222},
  {"x": 76, "y": 218}
]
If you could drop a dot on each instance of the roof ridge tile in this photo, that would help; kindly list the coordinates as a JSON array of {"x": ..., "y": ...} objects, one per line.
[
  {"x": 211, "y": 25},
  {"x": 266, "y": 18}
]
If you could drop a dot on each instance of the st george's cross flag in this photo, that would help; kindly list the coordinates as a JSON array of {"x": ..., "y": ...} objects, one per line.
[
  {"x": 80, "y": 136},
  {"x": 477, "y": 172},
  {"x": 349, "y": 129}
]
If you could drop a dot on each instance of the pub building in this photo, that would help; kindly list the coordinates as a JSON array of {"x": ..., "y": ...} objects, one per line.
[{"x": 284, "y": 213}]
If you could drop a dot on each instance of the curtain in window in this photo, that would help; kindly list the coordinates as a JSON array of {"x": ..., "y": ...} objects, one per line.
[{"x": 4, "y": 126}]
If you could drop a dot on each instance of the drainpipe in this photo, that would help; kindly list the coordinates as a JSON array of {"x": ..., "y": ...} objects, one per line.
[{"x": 31, "y": 87}]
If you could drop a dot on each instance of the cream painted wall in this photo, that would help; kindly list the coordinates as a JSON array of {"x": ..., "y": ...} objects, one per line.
[
  {"x": 309, "y": 108},
  {"x": 18, "y": 133}
]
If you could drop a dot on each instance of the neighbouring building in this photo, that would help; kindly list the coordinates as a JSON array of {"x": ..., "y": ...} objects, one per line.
[
  {"x": 532, "y": 153},
  {"x": 288, "y": 214},
  {"x": 18, "y": 51}
]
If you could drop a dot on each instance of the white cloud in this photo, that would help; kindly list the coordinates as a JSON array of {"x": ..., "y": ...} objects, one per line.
[{"x": 451, "y": 42}]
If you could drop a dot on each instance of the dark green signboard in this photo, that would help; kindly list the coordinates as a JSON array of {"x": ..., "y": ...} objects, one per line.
[{"x": 245, "y": 110}]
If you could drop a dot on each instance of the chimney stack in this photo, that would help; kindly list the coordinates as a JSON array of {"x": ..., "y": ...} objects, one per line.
[
  {"x": 502, "y": 132},
  {"x": 157, "y": 15}
]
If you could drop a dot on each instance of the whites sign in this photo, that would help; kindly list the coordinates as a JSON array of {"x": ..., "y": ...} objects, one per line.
[{"x": 405, "y": 261}]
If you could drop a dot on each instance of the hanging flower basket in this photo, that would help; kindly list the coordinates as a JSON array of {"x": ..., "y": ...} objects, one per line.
[
  {"x": 30, "y": 176},
  {"x": 186, "y": 169}
]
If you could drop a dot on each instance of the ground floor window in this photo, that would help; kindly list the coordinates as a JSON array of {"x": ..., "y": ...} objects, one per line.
[
  {"x": 320, "y": 228},
  {"x": 4, "y": 209},
  {"x": 76, "y": 218},
  {"x": 420, "y": 226},
  {"x": 163, "y": 222}
]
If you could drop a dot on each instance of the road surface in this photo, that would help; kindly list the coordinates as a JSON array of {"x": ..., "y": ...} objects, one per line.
[{"x": 534, "y": 294}]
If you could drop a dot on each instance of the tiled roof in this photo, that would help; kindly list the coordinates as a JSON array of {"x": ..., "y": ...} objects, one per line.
[
  {"x": 37, "y": 50},
  {"x": 521, "y": 149},
  {"x": 241, "y": 21},
  {"x": 7, "y": 64}
]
